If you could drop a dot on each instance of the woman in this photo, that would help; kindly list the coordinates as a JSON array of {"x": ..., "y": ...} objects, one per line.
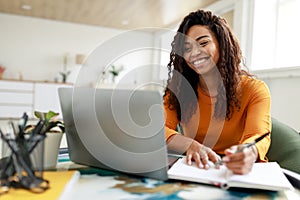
[{"x": 219, "y": 105}]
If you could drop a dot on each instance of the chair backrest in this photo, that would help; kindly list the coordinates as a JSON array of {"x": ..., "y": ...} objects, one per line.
[{"x": 285, "y": 146}]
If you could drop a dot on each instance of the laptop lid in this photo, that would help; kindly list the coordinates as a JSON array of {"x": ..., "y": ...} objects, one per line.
[{"x": 116, "y": 129}]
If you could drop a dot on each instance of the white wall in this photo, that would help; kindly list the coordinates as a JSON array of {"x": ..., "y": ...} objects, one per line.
[
  {"x": 33, "y": 49},
  {"x": 285, "y": 94}
]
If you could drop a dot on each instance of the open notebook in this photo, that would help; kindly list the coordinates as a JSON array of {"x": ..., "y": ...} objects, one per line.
[{"x": 266, "y": 176}]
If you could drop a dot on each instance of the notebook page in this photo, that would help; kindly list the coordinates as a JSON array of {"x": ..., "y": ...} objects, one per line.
[
  {"x": 262, "y": 176},
  {"x": 180, "y": 170}
]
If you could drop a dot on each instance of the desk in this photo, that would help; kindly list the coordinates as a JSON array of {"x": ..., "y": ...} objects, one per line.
[
  {"x": 57, "y": 180},
  {"x": 103, "y": 184},
  {"x": 94, "y": 183}
]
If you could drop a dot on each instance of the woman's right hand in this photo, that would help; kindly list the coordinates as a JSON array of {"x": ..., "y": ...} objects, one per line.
[{"x": 200, "y": 154}]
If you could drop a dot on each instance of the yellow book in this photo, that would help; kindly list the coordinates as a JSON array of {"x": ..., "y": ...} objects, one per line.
[{"x": 57, "y": 181}]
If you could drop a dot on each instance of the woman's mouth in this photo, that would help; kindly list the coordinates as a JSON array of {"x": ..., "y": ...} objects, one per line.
[{"x": 200, "y": 61}]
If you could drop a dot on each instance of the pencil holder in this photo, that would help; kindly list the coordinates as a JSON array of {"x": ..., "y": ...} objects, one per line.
[{"x": 19, "y": 166}]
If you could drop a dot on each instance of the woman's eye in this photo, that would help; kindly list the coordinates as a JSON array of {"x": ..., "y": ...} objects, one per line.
[
  {"x": 203, "y": 43},
  {"x": 187, "y": 49}
]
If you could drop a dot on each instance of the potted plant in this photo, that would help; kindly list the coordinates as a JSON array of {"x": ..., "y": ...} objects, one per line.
[
  {"x": 51, "y": 123},
  {"x": 54, "y": 130},
  {"x": 115, "y": 72}
]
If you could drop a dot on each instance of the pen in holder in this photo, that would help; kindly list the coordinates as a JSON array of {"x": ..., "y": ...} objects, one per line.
[{"x": 22, "y": 166}]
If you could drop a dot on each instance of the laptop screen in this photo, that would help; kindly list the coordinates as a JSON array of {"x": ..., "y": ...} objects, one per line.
[{"x": 116, "y": 129}]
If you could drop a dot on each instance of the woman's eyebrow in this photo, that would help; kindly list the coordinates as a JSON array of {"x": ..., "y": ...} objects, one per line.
[
  {"x": 200, "y": 37},
  {"x": 197, "y": 39}
]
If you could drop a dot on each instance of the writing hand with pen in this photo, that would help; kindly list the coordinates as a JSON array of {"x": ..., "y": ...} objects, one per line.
[{"x": 238, "y": 158}]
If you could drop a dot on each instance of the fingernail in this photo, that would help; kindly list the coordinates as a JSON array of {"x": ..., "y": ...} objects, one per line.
[
  {"x": 200, "y": 165},
  {"x": 225, "y": 159}
]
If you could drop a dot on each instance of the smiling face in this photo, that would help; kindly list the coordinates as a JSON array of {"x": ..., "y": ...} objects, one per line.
[{"x": 201, "y": 49}]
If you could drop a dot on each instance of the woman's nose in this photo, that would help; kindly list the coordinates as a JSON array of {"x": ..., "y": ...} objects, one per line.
[{"x": 197, "y": 49}]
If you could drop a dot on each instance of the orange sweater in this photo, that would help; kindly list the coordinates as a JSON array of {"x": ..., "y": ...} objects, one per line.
[{"x": 252, "y": 120}]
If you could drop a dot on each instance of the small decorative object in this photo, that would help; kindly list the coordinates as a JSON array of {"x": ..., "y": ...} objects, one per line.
[
  {"x": 16, "y": 169},
  {"x": 115, "y": 72},
  {"x": 80, "y": 59},
  {"x": 54, "y": 136},
  {"x": 64, "y": 76},
  {"x": 2, "y": 69},
  {"x": 103, "y": 79},
  {"x": 65, "y": 72}
]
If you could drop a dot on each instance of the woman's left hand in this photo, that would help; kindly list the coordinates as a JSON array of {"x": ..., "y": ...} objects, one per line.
[{"x": 240, "y": 162}]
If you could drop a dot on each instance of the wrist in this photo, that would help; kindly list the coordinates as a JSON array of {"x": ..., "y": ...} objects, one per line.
[{"x": 179, "y": 143}]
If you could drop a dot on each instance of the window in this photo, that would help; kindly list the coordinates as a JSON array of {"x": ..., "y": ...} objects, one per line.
[
  {"x": 288, "y": 32},
  {"x": 276, "y": 33}
]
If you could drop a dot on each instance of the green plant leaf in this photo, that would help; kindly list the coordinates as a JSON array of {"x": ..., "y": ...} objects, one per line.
[
  {"x": 50, "y": 115},
  {"x": 49, "y": 121},
  {"x": 39, "y": 115}
]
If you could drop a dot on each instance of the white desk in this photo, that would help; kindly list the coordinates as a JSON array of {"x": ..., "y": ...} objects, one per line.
[{"x": 103, "y": 184}]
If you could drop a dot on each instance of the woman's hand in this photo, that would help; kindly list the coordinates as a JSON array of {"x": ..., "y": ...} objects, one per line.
[
  {"x": 201, "y": 155},
  {"x": 240, "y": 162}
]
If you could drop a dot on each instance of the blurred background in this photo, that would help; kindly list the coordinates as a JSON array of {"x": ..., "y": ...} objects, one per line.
[{"x": 43, "y": 45}]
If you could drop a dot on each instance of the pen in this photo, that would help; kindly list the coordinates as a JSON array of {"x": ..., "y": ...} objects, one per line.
[
  {"x": 220, "y": 162},
  {"x": 176, "y": 155}
]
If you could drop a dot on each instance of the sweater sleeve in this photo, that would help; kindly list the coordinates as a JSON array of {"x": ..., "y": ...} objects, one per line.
[
  {"x": 258, "y": 119},
  {"x": 171, "y": 121}
]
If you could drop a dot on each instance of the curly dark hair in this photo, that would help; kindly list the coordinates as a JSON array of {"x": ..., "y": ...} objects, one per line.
[{"x": 229, "y": 66}]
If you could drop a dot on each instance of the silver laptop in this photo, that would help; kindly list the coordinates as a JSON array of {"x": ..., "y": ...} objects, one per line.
[{"x": 116, "y": 129}]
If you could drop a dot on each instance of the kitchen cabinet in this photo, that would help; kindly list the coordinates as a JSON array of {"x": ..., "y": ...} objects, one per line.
[{"x": 17, "y": 97}]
